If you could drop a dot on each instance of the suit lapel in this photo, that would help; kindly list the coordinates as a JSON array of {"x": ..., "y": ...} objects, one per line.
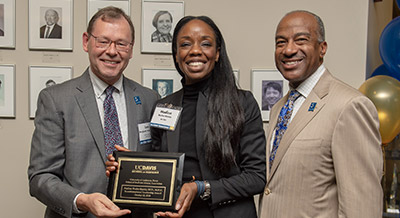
[
  {"x": 87, "y": 103},
  {"x": 173, "y": 136},
  {"x": 302, "y": 118},
  {"x": 201, "y": 116},
  {"x": 273, "y": 119},
  {"x": 133, "y": 112}
]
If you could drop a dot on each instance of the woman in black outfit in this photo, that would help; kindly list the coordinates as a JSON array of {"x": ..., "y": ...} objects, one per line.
[{"x": 219, "y": 130}]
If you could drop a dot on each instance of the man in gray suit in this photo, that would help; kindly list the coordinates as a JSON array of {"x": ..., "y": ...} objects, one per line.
[
  {"x": 328, "y": 163},
  {"x": 68, "y": 154}
]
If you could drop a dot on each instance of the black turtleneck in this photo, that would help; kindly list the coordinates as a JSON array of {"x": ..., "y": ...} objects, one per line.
[
  {"x": 187, "y": 138},
  {"x": 187, "y": 145}
]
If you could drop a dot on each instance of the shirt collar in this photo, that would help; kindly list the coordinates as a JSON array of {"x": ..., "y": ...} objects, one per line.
[
  {"x": 99, "y": 85},
  {"x": 307, "y": 85}
]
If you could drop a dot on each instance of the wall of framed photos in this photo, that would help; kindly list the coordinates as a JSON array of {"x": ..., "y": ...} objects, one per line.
[{"x": 352, "y": 33}]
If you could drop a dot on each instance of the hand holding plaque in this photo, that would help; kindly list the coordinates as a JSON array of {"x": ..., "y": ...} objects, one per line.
[
  {"x": 149, "y": 180},
  {"x": 186, "y": 197}
]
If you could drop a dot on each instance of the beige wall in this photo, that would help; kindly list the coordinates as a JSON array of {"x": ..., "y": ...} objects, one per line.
[
  {"x": 380, "y": 14},
  {"x": 248, "y": 27}
]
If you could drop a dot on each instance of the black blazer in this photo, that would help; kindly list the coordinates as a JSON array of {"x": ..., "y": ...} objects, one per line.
[
  {"x": 232, "y": 194},
  {"x": 56, "y": 33}
]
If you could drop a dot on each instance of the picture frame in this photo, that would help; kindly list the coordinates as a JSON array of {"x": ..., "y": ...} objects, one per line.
[
  {"x": 163, "y": 81},
  {"x": 41, "y": 77},
  {"x": 7, "y": 90},
  {"x": 154, "y": 38},
  {"x": 267, "y": 79},
  {"x": 94, "y": 5},
  {"x": 236, "y": 74},
  {"x": 59, "y": 15},
  {"x": 7, "y": 23}
]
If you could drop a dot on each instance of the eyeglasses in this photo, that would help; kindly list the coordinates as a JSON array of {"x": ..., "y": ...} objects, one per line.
[{"x": 104, "y": 43}]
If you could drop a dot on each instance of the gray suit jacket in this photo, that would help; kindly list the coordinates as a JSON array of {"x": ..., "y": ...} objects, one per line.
[
  {"x": 329, "y": 161},
  {"x": 67, "y": 151}
]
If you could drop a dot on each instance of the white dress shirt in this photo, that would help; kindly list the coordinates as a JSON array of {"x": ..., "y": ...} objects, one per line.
[
  {"x": 304, "y": 89},
  {"x": 99, "y": 86},
  {"x": 48, "y": 30}
]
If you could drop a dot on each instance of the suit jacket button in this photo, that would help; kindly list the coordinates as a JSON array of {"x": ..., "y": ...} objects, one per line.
[{"x": 267, "y": 191}]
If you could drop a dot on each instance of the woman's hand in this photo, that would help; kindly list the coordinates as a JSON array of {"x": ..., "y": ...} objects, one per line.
[
  {"x": 111, "y": 164},
  {"x": 188, "y": 193}
]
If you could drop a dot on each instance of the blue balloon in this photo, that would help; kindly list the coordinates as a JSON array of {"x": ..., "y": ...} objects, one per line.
[
  {"x": 398, "y": 3},
  {"x": 389, "y": 46},
  {"x": 382, "y": 70}
]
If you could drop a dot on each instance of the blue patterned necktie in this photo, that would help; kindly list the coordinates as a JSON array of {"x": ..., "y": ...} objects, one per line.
[
  {"x": 112, "y": 132},
  {"x": 281, "y": 126}
]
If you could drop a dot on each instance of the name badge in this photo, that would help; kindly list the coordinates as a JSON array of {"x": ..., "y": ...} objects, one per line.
[
  {"x": 144, "y": 133},
  {"x": 165, "y": 116}
]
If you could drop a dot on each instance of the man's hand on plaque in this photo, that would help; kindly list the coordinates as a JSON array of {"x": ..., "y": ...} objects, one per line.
[
  {"x": 188, "y": 193},
  {"x": 111, "y": 164},
  {"x": 99, "y": 205}
]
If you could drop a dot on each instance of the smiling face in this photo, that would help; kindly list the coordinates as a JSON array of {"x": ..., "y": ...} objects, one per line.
[
  {"x": 196, "y": 51},
  {"x": 51, "y": 17},
  {"x": 298, "y": 53},
  {"x": 162, "y": 88},
  {"x": 164, "y": 24},
  {"x": 272, "y": 95},
  {"x": 108, "y": 63}
]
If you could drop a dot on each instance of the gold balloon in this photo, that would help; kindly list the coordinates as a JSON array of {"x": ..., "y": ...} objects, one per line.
[{"x": 384, "y": 92}]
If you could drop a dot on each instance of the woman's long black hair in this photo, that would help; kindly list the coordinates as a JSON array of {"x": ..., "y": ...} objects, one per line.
[{"x": 225, "y": 116}]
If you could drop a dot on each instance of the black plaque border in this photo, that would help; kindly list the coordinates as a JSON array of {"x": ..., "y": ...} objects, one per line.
[{"x": 176, "y": 159}]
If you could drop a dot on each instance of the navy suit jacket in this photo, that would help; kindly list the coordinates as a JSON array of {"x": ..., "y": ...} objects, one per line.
[{"x": 56, "y": 33}]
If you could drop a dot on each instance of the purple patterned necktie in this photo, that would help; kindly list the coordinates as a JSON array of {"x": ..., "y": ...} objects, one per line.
[
  {"x": 281, "y": 126},
  {"x": 112, "y": 132}
]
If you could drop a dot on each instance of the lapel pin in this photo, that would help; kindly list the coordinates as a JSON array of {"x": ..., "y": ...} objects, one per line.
[
  {"x": 137, "y": 100},
  {"x": 312, "y": 106}
]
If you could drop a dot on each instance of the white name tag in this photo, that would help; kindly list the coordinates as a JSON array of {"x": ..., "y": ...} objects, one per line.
[
  {"x": 165, "y": 116},
  {"x": 144, "y": 133}
]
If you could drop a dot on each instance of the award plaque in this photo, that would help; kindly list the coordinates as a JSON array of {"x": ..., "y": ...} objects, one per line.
[{"x": 147, "y": 180}]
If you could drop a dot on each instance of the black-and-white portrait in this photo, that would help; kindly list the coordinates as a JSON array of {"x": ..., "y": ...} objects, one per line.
[
  {"x": 51, "y": 28},
  {"x": 271, "y": 93},
  {"x": 163, "y": 86},
  {"x": 1, "y": 19},
  {"x": 162, "y": 23},
  {"x": 1, "y": 89},
  {"x": 50, "y": 82},
  {"x": 158, "y": 22}
]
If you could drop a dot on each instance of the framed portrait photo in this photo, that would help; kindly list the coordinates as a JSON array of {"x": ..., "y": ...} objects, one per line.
[
  {"x": 7, "y": 91},
  {"x": 41, "y": 77},
  {"x": 163, "y": 81},
  {"x": 7, "y": 23},
  {"x": 268, "y": 86},
  {"x": 159, "y": 19},
  {"x": 51, "y": 24},
  {"x": 94, "y": 5}
]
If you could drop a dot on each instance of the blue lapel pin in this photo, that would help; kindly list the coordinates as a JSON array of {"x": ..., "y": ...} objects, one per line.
[
  {"x": 137, "y": 100},
  {"x": 312, "y": 106}
]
